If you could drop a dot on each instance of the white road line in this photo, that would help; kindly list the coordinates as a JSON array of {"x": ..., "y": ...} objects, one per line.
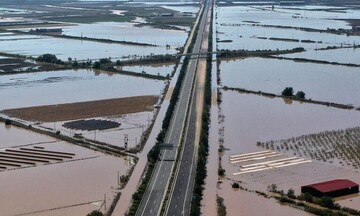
[{"x": 152, "y": 188}]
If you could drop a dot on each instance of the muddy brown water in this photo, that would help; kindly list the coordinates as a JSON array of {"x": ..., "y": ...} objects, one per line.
[{"x": 86, "y": 178}]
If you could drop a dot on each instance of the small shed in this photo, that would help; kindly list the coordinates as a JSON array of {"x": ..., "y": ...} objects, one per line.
[{"x": 333, "y": 188}]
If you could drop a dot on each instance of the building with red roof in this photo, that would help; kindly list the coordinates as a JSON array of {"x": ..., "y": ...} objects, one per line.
[{"x": 333, "y": 188}]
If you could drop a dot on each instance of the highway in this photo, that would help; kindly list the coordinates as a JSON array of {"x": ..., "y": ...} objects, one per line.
[
  {"x": 181, "y": 195},
  {"x": 155, "y": 193}
]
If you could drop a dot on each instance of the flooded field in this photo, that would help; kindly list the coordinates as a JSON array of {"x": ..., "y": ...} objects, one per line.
[
  {"x": 248, "y": 119},
  {"x": 250, "y": 28},
  {"x": 344, "y": 55},
  {"x": 249, "y": 203},
  {"x": 34, "y": 45},
  {"x": 57, "y": 87},
  {"x": 322, "y": 82},
  {"x": 132, "y": 125},
  {"x": 163, "y": 69},
  {"x": 44, "y": 187},
  {"x": 189, "y": 9},
  {"x": 128, "y": 32},
  {"x": 268, "y": 17},
  {"x": 248, "y": 123}
]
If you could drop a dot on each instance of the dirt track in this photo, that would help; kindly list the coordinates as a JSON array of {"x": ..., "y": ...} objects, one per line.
[{"x": 90, "y": 109}]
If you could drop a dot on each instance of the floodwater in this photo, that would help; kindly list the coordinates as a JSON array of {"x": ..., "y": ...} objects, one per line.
[
  {"x": 12, "y": 136},
  {"x": 132, "y": 125},
  {"x": 233, "y": 24},
  {"x": 34, "y": 45},
  {"x": 246, "y": 36},
  {"x": 248, "y": 203},
  {"x": 181, "y": 9},
  {"x": 344, "y": 55},
  {"x": 228, "y": 14},
  {"x": 245, "y": 119},
  {"x": 7, "y": 11},
  {"x": 57, "y": 87},
  {"x": 128, "y": 32},
  {"x": 154, "y": 69},
  {"x": 329, "y": 83},
  {"x": 250, "y": 118},
  {"x": 59, "y": 185}
]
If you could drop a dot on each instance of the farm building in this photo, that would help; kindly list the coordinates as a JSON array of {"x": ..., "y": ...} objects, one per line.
[{"x": 333, "y": 188}]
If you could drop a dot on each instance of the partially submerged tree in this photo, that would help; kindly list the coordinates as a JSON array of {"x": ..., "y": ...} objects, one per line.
[{"x": 288, "y": 91}]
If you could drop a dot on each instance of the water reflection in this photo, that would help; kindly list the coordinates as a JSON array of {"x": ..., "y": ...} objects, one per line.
[
  {"x": 329, "y": 83},
  {"x": 56, "y": 87}
]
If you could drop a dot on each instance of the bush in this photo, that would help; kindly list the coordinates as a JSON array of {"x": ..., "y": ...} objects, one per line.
[
  {"x": 291, "y": 193},
  {"x": 306, "y": 197},
  {"x": 235, "y": 185},
  {"x": 95, "y": 213},
  {"x": 221, "y": 172},
  {"x": 97, "y": 65},
  {"x": 105, "y": 61},
  {"x": 272, "y": 188},
  {"x": 285, "y": 199},
  {"x": 50, "y": 58},
  {"x": 300, "y": 94},
  {"x": 7, "y": 122}
]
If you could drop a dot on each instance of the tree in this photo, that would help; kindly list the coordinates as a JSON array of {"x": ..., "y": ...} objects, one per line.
[
  {"x": 300, "y": 94},
  {"x": 95, "y": 213},
  {"x": 75, "y": 64},
  {"x": 105, "y": 61},
  {"x": 48, "y": 58},
  {"x": 97, "y": 65},
  {"x": 327, "y": 202},
  {"x": 291, "y": 193},
  {"x": 272, "y": 188},
  {"x": 235, "y": 185},
  {"x": 288, "y": 91},
  {"x": 221, "y": 172},
  {"x": 306, "y": 197},
  {"x": 7, "y": 122}
]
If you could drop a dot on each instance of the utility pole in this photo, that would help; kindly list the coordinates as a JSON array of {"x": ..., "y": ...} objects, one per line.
[{"x": 126, "y": 139}]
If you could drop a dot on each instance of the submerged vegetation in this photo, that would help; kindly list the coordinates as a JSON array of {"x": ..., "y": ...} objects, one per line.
[
  {"x": 256, "y": 53},
  {"x": 298, "y": 97},
  {"x": 339, "y": 146},
  {"x": 323, "y": 206}
]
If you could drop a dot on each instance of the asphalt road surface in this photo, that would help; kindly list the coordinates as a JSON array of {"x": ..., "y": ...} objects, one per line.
[{"x": 152, "y": 200}]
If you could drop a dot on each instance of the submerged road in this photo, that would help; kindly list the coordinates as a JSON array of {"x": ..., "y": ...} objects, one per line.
[{"x": 155, "y": 193}]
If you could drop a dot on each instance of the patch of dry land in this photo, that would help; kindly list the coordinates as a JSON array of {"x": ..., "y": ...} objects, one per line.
[{"x": 81, "y": 110}]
